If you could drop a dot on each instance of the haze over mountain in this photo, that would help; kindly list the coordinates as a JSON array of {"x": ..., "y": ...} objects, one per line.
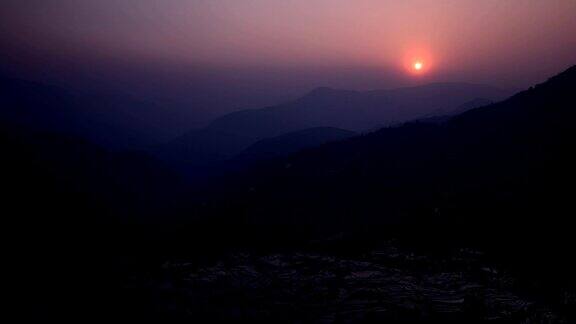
[
  {"x": 324, "y": 107},
  {"x": 355, "y": 110},
  {"x": 219, "y": 56}
]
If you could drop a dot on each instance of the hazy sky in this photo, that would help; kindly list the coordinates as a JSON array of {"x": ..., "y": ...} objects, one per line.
[{"x": 264, "y": 44}]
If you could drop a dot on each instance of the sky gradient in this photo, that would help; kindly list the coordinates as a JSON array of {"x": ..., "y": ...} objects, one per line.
[{"x": 286, "y": 46}]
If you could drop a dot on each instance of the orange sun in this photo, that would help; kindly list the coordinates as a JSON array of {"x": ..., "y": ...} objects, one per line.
[{"x": 418, "y": 66}]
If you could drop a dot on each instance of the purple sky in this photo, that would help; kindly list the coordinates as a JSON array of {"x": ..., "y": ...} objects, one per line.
[{"x": 279, "y": 48}]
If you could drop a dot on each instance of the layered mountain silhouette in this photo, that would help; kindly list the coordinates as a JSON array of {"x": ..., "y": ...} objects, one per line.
[
  {"x": 323, "y": 107},
  {"x": 502, "y": 173},
  {"x": 355, "y": 110},
  {"x": 506, "y": 163},
  {"x": 67, "y": 151}
]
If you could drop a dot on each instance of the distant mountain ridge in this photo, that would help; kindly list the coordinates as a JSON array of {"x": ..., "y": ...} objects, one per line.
[
  {"x": 355, "y": 110},
  {"x": 326, "y": 107}
]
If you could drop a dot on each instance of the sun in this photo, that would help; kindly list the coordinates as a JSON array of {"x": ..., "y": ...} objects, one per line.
[
  {"x": 418, "y": 66},
  {"x": 418, "y": 62}
]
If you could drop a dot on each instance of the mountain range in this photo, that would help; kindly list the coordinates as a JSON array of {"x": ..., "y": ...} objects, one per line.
[{"x": 357, "y": 111}]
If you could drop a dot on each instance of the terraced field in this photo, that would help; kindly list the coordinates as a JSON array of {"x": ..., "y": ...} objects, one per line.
[{"x": 386, "y": 286}]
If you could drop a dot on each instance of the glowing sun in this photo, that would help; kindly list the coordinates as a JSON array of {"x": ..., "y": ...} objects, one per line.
[
  {"x": 418, "y": 62},
  {"x": 418, "y": 66}
]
